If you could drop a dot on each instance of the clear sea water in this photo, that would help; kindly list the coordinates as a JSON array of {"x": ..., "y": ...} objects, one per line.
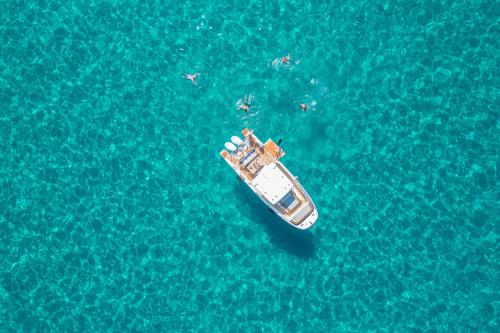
[{"x": 118, "y": 215}]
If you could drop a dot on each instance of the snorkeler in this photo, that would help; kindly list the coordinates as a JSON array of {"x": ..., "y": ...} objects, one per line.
[
  {"x": 191, "y": 77},
  {"x": 283, "y": 62},
  {"x": 246, "y": 104},
  {"x": 303, "y": 106}
]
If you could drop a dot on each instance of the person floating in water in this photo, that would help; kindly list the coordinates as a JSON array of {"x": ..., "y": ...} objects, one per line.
[
  {"x": 281, "y": 62},
  {"x": 303, "y": 106},
  {"x": 191, "y": 77},
  {"x": 245, "y": 105},
  {"x": 286, "y": 60}
]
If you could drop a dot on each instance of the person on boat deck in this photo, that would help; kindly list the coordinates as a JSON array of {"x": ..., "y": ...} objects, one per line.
[
  {"x": 278, "y": 152},
  {"x": 246, "y": 104},
  {"x": 191, "y": 77},
  {"x": 303, "y": 106}
]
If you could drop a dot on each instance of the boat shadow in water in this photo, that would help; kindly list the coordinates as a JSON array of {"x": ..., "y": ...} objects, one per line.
[{"x": 297, "y": 242}]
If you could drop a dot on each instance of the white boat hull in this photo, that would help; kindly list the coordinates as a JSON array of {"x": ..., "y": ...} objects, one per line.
[{"x": 272, "y": 182}]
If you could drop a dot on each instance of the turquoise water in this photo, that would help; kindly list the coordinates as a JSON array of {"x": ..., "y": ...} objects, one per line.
[{"x": 117, "y": 213}]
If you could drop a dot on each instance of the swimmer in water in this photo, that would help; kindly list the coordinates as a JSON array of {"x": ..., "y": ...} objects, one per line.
[
  {"x": 286, "y": 60},
  {"x": 246, "y": 104},
  {"x": 303, "y": 106},
  {"x": 191, "y": 77}
]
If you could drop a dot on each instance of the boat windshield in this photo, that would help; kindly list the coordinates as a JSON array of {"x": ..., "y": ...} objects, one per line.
[{"x": 287, "y": 200}]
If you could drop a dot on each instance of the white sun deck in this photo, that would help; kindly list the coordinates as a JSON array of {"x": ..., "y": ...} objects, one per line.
[{"x": 272, "y": 183}]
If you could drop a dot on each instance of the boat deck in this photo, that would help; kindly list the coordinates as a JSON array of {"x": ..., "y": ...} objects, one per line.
[{"x": 254, "y": 156}]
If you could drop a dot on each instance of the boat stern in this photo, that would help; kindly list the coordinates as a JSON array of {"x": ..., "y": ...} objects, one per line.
[{"x": 308, "y": 221}]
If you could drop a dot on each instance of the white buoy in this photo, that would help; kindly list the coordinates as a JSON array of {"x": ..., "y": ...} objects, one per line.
[
  {"x": 229, "y": 146},
  {"x": 236, "y": 140}
]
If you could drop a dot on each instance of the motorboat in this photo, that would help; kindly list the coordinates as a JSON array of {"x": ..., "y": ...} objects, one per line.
[{"x": 258, "y": 165}]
